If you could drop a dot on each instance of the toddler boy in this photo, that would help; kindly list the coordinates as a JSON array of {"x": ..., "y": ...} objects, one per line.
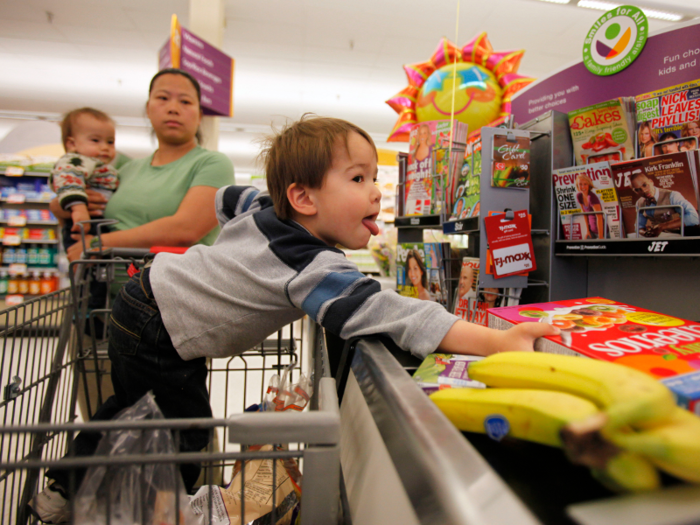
[
  {"x": 274, "y": 261},
  {"x": 88, "y": 138}
]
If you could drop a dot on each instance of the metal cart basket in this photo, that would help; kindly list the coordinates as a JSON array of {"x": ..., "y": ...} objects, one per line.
[{"x": 54, "y": 373}]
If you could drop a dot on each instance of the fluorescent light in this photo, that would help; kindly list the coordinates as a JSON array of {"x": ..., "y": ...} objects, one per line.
[
  {"x": 651, "y": 13},
  {"x": 556, "y": 1}
]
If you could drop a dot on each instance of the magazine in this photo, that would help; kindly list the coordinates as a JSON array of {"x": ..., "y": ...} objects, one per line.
[
  {"x": 420, "y": 270},
  {"x": 587, "y": 189},
  {"x": 668, "y": 120},
  {"x": 604, "y": 131},
  {"x": 429, "y": 142},
  {"x": 441, "y": 371},
  {"x": 660, "y": 345},
  {"x": 657, "y": 192},
  {"x": 467, "y": 185},
  {"x": 511, "y": 162}
]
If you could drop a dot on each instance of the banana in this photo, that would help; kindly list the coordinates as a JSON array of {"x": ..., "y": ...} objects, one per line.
[
  {"x": 628, "y": 472},
  {"x": 673, "y": 446},
  {"x": 626, "y": 396},
  {"x": 533, "y": 415}
]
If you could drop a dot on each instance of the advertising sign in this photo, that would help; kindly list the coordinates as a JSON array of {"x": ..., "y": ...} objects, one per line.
[{"x": 212, "y": 68}]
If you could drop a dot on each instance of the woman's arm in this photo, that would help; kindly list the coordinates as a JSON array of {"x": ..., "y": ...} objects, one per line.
[
  {"x": 599, "y": 219},
  {"x": 194, "y": 218}
]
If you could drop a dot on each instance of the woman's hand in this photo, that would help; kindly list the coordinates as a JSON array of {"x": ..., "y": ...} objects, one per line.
[
  {"x": 76, "y": 250},
  {"x": 96, "y": 203}
]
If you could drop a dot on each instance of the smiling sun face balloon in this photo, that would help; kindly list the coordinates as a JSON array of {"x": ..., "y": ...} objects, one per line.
[{"x": 480, "y": 80}]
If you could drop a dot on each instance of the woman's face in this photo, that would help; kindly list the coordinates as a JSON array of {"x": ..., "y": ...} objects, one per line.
[
  {"x": 414, "y": 272},
  {"x": 693, "y": 129},
  {"x": 423, "y": 135},
  {"x": 583, "y": 186},
  {"x": 490, "y": 294},
  {"x": 644, "y": 135},
  {"x": 173, "y": 109}
]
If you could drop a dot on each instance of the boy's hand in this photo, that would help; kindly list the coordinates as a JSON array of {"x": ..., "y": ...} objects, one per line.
[{"x": 521, "y": 337}]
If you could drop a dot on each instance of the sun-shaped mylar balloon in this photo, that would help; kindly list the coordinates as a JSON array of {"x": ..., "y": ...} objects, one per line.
[{"x": 482, "y": 81}]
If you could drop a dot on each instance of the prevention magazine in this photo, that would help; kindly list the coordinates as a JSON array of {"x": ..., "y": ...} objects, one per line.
[
  {"x": 665, "y": 347},
  {"x": 587, "y": 189},
  {"x": 420, "y": 270},
  {"x": 668, "y": 120},
  {"x": 659, "y": 192},
  {"x": 429, "y": 142},
  {"x": 604, "y": 131}
]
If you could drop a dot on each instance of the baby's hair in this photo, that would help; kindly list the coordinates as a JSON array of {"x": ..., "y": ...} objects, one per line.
[
  {"x": 68, "y": 122},
  {"x": 302, "y": 153}
]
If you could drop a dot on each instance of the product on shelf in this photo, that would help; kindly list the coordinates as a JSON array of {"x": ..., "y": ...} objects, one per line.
[
  {"x": 658, "y": 192},
  {"x": 587, "y": 189},
  {"x": 668, "y": 120},
  {"x": 440, "y": 371},
  {"x": 4, "y": 278},
  {"x": 429, "y": 160},
  {"x": 604, "y": 131},
  {"x": 467, "y": 185},
  {"x": 420, "y": 270},
  {"x": 663, "y": 346},
  {"x": 511, "y": 161}
]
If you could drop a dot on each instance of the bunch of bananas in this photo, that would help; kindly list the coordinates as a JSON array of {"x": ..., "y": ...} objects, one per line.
[{"x": 620, "y": 422}]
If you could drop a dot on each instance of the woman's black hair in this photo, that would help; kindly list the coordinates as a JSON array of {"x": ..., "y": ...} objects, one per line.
[
  {"x": 176, "y": 71},
  {"x": 415, "y": 254}
]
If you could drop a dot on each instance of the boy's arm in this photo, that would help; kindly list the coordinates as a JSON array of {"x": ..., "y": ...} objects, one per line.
[{"x": 68, "y": 178}]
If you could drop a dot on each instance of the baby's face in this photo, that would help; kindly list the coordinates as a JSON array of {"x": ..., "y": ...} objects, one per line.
[{"x": 92, "y": 137}]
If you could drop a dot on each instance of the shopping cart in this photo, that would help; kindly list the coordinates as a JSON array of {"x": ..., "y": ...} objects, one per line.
[{"x": 54, "y": 371}]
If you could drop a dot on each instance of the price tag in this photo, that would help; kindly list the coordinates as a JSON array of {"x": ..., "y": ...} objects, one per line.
[
  {"x": 17, "y": 269},
  {"x": 17, "y": 220},
  {"x": 14, "y": 300},
  {"x": 14, "y": 171},
  {"x": 11, "y": 240},
  {"x": 16, "y": 198},
  {"x": 510, "y": 243}
]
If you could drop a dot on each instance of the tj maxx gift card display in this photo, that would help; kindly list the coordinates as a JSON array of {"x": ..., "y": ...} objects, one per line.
[{"x": 510, "y": 244}]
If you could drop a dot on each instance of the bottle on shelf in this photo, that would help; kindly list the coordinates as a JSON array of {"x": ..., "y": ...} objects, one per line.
[
  {"x": 35, "y": 284},
  {"x": 12, "y": 285},
  {"x": 47, "y": 283},
  {"x": 21, "y": 255},
  {"x": 23, "y": 284},
  {"x": 4, "y": 279},
  {"x": 44, "y": 255},
  {"x": 33, "y": 255},
  {"x": 9, "y": 255}
]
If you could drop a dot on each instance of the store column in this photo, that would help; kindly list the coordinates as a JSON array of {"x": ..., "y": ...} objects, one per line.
[{"x": 207, "y": 19}]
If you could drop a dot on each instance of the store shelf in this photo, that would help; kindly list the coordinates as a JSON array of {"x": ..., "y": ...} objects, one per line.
[
  {"x": 657, "y": 247},
  {"x": 28, "y": 174},
  {"x": 470, "y": 225},
  {"x": 32, "y": 223},
  {"x": 420, "y": 221}
]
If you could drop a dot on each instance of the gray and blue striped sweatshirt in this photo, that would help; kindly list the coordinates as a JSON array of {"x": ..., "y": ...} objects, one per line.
[{"x": 263, "y": 273}]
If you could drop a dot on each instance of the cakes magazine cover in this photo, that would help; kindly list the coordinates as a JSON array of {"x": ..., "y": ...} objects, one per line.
[
  {"x": 588, "y": 189},
  {"x": 658, "y": 194},
  {"x": 668, "y": 120},
  {"x": 663, "y": 346}
]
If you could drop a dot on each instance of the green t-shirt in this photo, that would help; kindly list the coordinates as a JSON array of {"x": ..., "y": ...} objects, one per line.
[{"x": 147, "y": 193}]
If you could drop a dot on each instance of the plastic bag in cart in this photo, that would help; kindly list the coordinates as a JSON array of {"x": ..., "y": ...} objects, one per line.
[
  {"x": 258, "y": 491},
  {"x": 135, "y": 493},
  {"x": 283, "y": 395}
]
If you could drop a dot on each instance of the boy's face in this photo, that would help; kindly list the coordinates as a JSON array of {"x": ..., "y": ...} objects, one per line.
[
  {"x": 348, "y": 202},
  {"x": 92, "y": 137}
]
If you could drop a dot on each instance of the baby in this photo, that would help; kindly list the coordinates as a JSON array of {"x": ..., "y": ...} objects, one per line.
[{"x": 88, "y": 138}]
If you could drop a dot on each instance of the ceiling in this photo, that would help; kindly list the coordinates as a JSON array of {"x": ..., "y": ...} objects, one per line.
[{"x": 330, "y": 57}]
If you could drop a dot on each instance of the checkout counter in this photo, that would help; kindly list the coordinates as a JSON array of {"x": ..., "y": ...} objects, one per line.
[{"x": 403, "y": 462}]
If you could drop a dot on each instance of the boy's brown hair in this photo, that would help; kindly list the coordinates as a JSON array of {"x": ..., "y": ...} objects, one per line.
[
  {"x": 302, "y": 153},
  {"x": 68, "y": 122}
]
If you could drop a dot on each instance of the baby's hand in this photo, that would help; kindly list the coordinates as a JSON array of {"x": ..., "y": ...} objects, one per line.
[
  {"x": 79, "y": 213},
  {"x": 521, "y": 337}
]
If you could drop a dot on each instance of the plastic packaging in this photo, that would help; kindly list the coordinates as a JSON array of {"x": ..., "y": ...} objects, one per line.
[{"x": 136, "y": 493}]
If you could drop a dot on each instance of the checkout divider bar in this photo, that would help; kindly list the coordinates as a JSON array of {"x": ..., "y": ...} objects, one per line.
[{"x": 446, "y": 480}]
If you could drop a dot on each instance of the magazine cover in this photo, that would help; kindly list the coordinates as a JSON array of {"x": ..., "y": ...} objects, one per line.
[
  {"x": 430, "y": 142},
  {"x": 666, "y": 347},
  {"x": 660, "y": 193},
  {"x": 511, "y": 162},
  {"x": 471, "y": 303},
  {"x": 467, "y": 186},
  {"x": 440, "y": 371},
  {"x": 420, "y": 270},
  {"x": 668, "y": 120},
  {"x": 587, "y": 189},
  {"x": 604, "y": 131}
]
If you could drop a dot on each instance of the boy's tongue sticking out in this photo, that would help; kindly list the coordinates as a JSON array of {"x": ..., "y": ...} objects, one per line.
[{"x": 371, "y": 225}]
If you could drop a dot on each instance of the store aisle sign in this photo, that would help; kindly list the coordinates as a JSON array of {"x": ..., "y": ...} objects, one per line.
[
  {"x": 615, "y": 40},
  {"x": 212, "y": 68}
]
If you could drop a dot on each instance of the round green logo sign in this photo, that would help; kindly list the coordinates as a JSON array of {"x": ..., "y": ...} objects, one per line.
[{"x": 615, "y": 40}]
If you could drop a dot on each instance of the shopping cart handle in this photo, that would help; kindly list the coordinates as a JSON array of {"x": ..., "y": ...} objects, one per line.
[{"x": 168, "y": 249}]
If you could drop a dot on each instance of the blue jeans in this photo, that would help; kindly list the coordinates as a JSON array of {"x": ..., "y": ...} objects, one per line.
[{"x": 143, "y": 358}]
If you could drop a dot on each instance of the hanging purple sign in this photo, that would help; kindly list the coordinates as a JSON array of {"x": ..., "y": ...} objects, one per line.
[
  {"x": 668, "y": 59},
  {"x": 212, "y": 68}
]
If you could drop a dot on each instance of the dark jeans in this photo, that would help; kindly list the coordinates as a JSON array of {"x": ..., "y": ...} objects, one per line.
[{"x": 143, "y": 358}]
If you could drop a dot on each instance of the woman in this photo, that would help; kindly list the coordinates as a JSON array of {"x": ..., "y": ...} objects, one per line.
[
  {"x": 490, "y": 297},
  {"x": 423, "y": 146},
  {"x": 415, "y": 270},
  {"x": 646, "y": 140},
  {"x": 167, "y": 198},
  {"x": 691, "y": 130},
  {"x": 589, "y": 202}
]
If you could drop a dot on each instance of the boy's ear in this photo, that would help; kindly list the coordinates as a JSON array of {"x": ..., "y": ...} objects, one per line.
[
  {"x": 69, "y": 146},
  {"x": 301, "y": 199}
]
